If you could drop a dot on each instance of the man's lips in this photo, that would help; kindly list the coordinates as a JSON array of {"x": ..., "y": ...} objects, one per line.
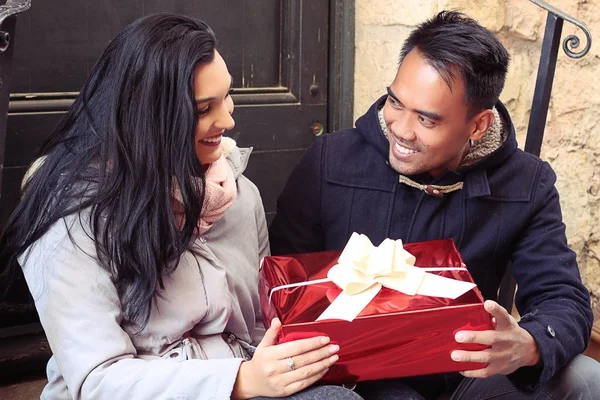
[{"x": 403, "y": 149}]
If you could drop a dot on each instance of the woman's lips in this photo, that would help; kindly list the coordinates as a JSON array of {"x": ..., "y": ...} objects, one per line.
[{"x": 211, "y": 141}]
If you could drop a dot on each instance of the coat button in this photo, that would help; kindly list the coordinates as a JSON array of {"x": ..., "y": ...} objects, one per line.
[
  {"x": 550, "y": 331},
  {"x": 174, "y": 354}
]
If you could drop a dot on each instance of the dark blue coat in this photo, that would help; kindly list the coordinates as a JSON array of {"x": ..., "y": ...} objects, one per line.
[{"x": 507, "y": 211}]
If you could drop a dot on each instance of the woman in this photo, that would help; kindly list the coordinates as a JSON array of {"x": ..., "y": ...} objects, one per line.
[{"x": 140, "y": 239}]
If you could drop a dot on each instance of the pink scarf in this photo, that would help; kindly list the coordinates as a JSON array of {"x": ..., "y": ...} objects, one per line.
[{"x": 219, "y": 195}]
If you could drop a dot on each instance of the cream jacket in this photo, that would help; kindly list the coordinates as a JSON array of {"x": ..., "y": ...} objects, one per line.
[{"x": 200, "y": 329}]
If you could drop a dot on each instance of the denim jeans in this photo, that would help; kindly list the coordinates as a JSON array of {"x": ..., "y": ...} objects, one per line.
[
  {"x": 320, "y": 392},
  {"x": 578, "y": 380}
]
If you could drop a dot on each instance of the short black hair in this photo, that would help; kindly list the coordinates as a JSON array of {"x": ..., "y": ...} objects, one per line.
[{"x": 455, "y": 44}]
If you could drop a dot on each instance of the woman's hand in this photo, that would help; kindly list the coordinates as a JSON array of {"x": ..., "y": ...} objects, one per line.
[{"x": 270, "y": 372}]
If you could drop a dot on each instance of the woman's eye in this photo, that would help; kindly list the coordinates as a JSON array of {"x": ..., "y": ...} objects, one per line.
[{"x": 204, "y": 110}]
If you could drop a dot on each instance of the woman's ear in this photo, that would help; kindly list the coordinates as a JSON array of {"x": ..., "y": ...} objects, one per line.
[{"x": 482, "y": 122}]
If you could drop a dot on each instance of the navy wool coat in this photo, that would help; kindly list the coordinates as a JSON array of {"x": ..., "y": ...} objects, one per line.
[{"x": 508, "y": 211}]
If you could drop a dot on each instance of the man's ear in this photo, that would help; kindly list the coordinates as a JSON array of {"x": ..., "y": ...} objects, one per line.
[{"x": 481, "y": 123}]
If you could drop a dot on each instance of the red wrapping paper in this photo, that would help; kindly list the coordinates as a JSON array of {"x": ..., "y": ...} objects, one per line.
[{"x": 396, "y": 335}]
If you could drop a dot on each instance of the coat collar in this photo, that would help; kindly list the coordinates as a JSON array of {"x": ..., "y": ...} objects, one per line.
[
  {"x": 366, "y": 163},
  {"x": 236, "y": 156}
]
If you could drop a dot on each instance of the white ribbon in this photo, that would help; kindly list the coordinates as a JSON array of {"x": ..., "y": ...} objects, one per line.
[{"x": 363, "y": 269}]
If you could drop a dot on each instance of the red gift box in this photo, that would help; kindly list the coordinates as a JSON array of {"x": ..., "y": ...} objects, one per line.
[{"x": 396, "y": 335}]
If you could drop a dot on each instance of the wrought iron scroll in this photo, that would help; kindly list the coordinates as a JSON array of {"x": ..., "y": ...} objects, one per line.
[
  {"x": 571, "y": 41},
  {"x": 547, "y": 67}
]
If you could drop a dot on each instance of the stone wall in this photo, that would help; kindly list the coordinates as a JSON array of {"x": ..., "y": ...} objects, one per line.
[{"x": 572, "y": 137}]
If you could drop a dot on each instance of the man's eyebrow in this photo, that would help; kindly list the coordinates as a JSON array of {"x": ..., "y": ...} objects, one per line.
[
  {"x": 429, "y": 114},
  {"x": 392, "y": 95},
  {"x": 207, "y": 99}
]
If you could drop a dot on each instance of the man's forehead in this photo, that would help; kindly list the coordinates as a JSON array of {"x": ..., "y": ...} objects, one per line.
[{"x": 419, "y": 85}]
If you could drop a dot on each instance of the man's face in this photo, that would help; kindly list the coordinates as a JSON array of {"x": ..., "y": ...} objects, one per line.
[{"x": 426, "y": 120}]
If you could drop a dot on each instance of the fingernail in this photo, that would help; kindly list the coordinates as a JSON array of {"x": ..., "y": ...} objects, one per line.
[
  {"x": 455, "y": 356},
  {"x": 334, "y": 358},
  {"x": 334, "y": 348},
  {"x": 459, "y": 337},
  {"x": 324, "y": 340},
  {"x": 325, "y": 371}
]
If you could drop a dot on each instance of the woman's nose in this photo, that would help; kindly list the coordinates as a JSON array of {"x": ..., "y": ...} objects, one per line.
[{"x": 225, "y": 120}]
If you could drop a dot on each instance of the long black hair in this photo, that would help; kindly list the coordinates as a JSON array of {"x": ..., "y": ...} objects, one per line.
[{"x": 116, "y": 154}]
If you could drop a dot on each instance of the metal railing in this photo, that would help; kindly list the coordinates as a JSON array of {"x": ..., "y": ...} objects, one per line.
[
  {"x": 541, "y": 99},
  {"x": 548, "y": 57}
]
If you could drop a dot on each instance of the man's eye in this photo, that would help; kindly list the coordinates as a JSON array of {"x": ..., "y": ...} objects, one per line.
[
  {"x": 204, "y": 110},
  {"x": 393, "y": 102},
  {"x": 426, "y": 122}
]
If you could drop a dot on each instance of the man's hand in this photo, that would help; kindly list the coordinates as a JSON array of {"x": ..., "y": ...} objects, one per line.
[
  {"x": 512, "y": 347},
  {"x": 269, "y": 373}
]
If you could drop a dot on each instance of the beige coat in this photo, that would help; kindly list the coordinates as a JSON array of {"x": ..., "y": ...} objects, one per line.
[{"x": 213, "y": 295}]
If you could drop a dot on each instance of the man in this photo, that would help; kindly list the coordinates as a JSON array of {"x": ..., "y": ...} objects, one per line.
[{"x": 437, "y": 158}]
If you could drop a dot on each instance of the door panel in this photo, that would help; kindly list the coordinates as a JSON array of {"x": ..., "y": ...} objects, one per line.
[{"x": 59, "y": 45}]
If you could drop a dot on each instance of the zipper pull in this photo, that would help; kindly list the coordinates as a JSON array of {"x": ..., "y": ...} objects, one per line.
[{"x": 231, "y": 337}]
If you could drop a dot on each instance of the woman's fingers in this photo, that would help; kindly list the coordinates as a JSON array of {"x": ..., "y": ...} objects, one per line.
[
  {"x": 297, "y": 386},
  {"x": 310, "y": 358},
  {"x": 283, "y": 369},
  {"x": 297, "y": 347},
  {"x": 309, "y": 374}
]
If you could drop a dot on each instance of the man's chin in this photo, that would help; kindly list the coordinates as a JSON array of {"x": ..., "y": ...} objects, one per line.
[{"x": 404, "y": 168}]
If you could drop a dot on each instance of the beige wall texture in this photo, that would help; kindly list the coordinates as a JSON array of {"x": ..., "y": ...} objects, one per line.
[{"x": 572, "y": 136}]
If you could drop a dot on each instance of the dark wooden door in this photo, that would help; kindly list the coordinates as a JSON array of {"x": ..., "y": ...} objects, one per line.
[{"x": 276, "y": 50}]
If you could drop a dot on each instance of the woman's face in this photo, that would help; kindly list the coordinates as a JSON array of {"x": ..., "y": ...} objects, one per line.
[{"x": 212, "y": 83}]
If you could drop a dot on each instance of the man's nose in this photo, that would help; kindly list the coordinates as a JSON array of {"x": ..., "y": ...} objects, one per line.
[{"x": 403, "y": 129}]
